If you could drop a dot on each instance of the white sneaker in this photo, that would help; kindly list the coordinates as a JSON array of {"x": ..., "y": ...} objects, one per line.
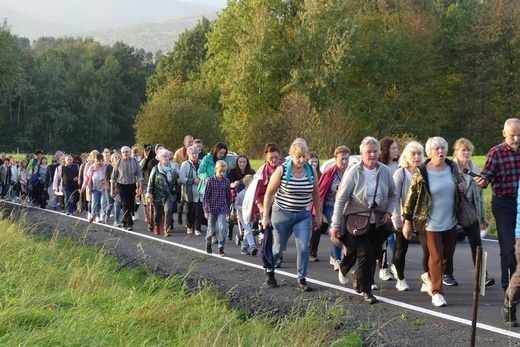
[
  {"x": 342, "y": 279},
  {"x": 439, "y": 301},
  {"x": 336, "y": 265},
  {"x": 385, "y": 275},
  {"x": 189, "y": 231},
  {"x": 425, "y": 277},
  {"x": 393, "y": 272},
  {"x": 136, "y": 216},
  {"x": 424, "y": 288},
  {"x": 402, "y": 286},
  {"x": 331, "y": 260},
  {"x": 374, "y": 287}
]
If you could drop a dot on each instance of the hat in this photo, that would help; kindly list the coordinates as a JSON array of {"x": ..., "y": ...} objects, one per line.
[{"x": 54, "y": 159}]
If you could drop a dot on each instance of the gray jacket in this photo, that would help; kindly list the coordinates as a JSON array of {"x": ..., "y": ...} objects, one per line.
[
  {"x": 478, "y": 194},
  {"x": 352, "y": 196}
]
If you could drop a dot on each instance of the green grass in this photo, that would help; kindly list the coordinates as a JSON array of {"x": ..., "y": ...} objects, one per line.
[{"x": 59, "y": 293}]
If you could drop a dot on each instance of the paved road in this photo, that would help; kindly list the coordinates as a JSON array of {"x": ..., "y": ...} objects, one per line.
[{"x": 459, "y": 298}]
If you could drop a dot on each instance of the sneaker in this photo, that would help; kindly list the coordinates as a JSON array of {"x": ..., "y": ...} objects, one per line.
[
  {"x": 424, "y": 288},
  {"x": 370, "y": 298},
  {"x": 509, "y": 314},
  {"x": 343, "y": 279},
  {"x": 425, "y": 278},
  {"x": 449, "y": 280},
  {"x": 313, "y": 259},
  {"x": 393, "y": 272},
  {"x": 214, "y": 240},
  {"x": 270, "y": 281},
  {"x": 254, "y": 251},
  {"x": 279, "y": 262},
  {"x": 331, "y": 260},
  {"x": 130, "y": 228},
  {"x": 385, "y": 275},
  {"x": 136, "y": 216},
  {"x": 402, "y": 286},
  {"x": 197, "y": 233},
  {"x": 208, "y": 248},
  {"x": 244, "y": 251},
  {"x": 189, "y": 231},
  {"x": 438, "y": 300},
  {"x": 489, "y": 281},
  {"x": 221, "y": 252},
  {"x": 336, "y": 265},
  {"x": 302, "y": 284},
  {"x": 374, "y": 287}
]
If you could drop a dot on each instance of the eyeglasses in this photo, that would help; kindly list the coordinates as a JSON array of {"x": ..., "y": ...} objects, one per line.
[{"x": 54, "y": 161}]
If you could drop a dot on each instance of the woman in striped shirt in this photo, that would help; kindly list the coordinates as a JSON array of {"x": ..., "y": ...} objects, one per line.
[{"x": 292, "y": 188}]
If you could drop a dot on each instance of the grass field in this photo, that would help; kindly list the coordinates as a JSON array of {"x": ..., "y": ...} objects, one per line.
[{"x": 60, "y": 293}]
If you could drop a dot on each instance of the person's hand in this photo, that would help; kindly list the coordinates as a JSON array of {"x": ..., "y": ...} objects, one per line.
[
  {"x": 407, "y": 230},
  {"x": 485, "y": 225},
  {"x": 196, "y": 180},
  {"x": 75, "y": 179},
  {"x": 461, "y": 187},
  {"x": 138, "y": 191},
  {"x": 334, "y": 232},
  {"x": 207, "y": 215},
  {"x": 482, "y": 183},
  {"x": 150, "y": 201},
  {"x": 386, "y": 218},
  {"x": 316, "y": 222},
  {"x": 266, "y": 221}
]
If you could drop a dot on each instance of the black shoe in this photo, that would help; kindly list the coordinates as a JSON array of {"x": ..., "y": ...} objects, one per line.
[
  {"x": 270, "y": 281},
  {"x": 355, "y": 282},
  {"x": 179, "y": 219},
  {"x": 489, "y": 281},
  {"x": 254, "y": 251},
  {"x": 130, "y": 228},
  {"x": 370, "y": 298},
  {"x": 509, "y": 314},
  {"x": 302, "y": 284},
  {"x": 208, "y": 248},
  {"x": 221, "y": 252}
]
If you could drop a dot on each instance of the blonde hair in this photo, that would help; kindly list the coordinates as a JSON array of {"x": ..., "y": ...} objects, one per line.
[
  {"x": 298, "y": 148},
  {"x": 463, "y": 143},
  {"x": 221, "y": 163},
  {"x": 414, "y": 146},
  {"x": 247, "y": 180},
  {"x": 341, "y": 150}
]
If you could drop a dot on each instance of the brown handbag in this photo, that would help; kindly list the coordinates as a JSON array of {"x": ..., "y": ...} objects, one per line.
[{"x": 358, "y": 224}]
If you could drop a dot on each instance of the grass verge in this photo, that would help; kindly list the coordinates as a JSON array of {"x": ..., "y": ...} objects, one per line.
[{"x": 58, "y": 293}]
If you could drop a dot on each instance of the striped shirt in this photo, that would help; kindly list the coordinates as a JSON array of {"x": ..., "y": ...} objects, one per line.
[
  {"x": 127, "y": 172},
  {"x": 502, "y": 170},
  {"x": 295, "y": 195}
]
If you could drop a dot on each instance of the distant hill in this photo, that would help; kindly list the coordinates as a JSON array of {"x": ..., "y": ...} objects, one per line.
[
  {"x": 150, "y": 24},
  {"x": 149, "y": 36}
]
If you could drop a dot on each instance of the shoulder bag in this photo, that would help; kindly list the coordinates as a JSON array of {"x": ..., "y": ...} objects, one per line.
[{"x": 358, "y": 224}]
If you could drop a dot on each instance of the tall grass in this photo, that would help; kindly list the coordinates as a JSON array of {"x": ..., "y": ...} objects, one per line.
[{"x": 58, "y": 293}]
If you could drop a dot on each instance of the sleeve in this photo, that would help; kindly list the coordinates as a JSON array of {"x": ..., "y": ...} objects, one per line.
[
  {"x": 399, "y": 178},
  {"x": 183, "y": 173},
  {"x": 412, "y": 196},
  {"x": 207, "y": 195},
  {"x": 239, "y": 200},
  {"x": 151, "y": 183},
  {"x": 343, "y": 195},
  {"x": 203, "y": 168}
]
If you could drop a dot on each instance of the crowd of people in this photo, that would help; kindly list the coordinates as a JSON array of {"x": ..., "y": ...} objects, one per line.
[{"x": 367, "y": 207}]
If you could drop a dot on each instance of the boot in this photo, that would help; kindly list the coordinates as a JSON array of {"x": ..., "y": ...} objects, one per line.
[{"x": 157, "y": 231}]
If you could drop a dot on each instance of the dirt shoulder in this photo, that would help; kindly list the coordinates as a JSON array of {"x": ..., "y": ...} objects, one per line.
[{"x": 379, "y": 325}]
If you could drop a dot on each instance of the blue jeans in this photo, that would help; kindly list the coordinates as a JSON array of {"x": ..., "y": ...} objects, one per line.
[
  {"x": 335, "y": 251},
  {"x": 217, "y": 226},
  {"x": 286, "y": 223},
  {"x": 110, "y": 205},
  {"x": 70, "y": 199},
  {"x": 504, "y": 210},
  {"x": 95, "y": 200}
]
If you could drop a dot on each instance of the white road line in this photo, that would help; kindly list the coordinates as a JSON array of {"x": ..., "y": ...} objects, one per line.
[{"x": 310, "y": 280}]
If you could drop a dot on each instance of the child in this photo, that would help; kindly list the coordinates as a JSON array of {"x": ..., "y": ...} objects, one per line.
[
  {"x": 216, "y": 203},
  {"x": 249, "y": 239}
]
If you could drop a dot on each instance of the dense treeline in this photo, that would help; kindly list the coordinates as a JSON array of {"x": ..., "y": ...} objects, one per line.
[
  {"x": 69, "y": 94},
  {"x": 333, "y": 71}
]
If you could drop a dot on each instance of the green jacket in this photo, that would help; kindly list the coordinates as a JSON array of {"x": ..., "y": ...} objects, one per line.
[
  {"x": 418, "y": 201},
  {"x": 159, "y": 189}
]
